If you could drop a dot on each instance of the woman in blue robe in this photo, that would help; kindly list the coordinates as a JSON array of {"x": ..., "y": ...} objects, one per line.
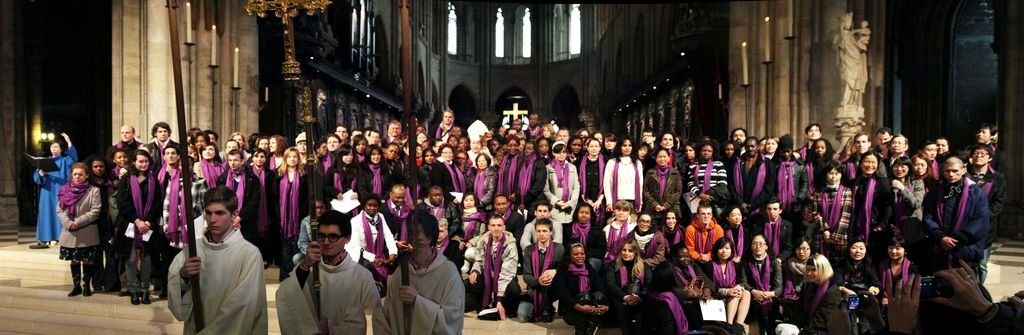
[{"x": 48, "y": 227}]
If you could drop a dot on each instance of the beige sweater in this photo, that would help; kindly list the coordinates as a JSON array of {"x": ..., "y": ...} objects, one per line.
[{"x": 87, "y": 234}]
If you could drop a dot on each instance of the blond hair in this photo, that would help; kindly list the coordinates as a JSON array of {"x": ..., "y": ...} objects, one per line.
[{"x": 638, "y": 260}]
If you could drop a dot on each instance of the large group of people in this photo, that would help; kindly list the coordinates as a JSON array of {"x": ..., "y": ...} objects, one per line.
[{"x": 615, "y": 231}]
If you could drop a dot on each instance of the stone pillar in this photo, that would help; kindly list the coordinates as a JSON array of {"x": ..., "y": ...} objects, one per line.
[
  {"x": 11, "y": 108},
  {"x": 1011, "y": 123},
  {"x": 142, "y": 82}
]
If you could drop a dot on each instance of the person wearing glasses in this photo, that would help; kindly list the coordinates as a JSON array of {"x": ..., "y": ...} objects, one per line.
[{"x": 339, "y": 313}]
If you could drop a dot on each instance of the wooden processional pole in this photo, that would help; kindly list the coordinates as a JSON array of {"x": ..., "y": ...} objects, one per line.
[{"x": 186, "y": 165}]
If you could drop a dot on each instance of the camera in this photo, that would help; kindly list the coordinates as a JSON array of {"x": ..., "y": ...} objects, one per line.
[
  {"x": 854, "y": 302},
  {"x": 932, "y": 287}
]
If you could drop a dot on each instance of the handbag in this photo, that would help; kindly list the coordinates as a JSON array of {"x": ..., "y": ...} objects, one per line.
[{"x": 379, "y": 280}]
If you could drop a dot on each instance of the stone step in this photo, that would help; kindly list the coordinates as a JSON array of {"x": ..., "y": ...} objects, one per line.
[{"x": 44, "y": 322}]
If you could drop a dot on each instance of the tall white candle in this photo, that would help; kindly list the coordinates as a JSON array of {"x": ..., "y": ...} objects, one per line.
[
  {"x": 767, "y": 42},
  {"x": 234, "y": 69},
  {"x": 746, "y": 65},
  {"x": 266, "y": 94},
  {"x": 213, "y": 46},
  {"x": 792, "y": 18},
  {"x": 188, "y": 22}
]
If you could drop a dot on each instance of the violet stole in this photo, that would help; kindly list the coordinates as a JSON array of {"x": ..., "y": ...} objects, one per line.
[
  {"x": 69, "y": 195},
  {"x": 458, "y": 180},
  {"x": 506, "y": 174},
  {"x": 662, "y": 173},
  {"x": 638, "y": 199},
  {"x": 580, "y": 231},
  {"x": 676, "y": 309},
  {"x": 338, "y": 180},
  {"x": 440, "y": 135},
  {"x": 211, "y": 171},
  {"x": 327, "y": 161},
  {"x": 480, "y": 182},
  {"x": 679, "y": 272},
  {"x": 960, "y": 216},
  {"x": 652, "y": 247},
  {"x": 492, "y": 270},
  {"x": 175, "y": 225},
  {"x": 738, "y": 180},
  {"x": 705, "y": 246},
  {"x": 538, "y": 296},
  {"x": 886, "y": 270},
  {"x": 289, "y": 205},
  {"x": 787, "y": 189},
  {"x": 582, "y": 276},
  {"x": 709, "y": 169},
  {"x": 378, "y": 183},
  {"x": 582, "y": 171},
  {"x": 471, "y": 222},
  {"x": 624, "y": 276},
  {"x": 677, "y": 235},
  {"x": 727, "y": 279},
  {"x": 851, "y": 169},
  {"x": 402, "y": 216},
  {"x": 376, "y": 246},
  {"x": 762, "y": 278},
  {"x": 240, "y": 188},
  {"x": 141, "y": 210},
  {"x": 818, "y": 298},
  {"x": 773, "y": 233},
  {"x": 615, "y": 242},
  {"x": 526, "y": 178},
  {"x": 864, "y": 219},
  {"x": 562, "y": 175},
  {"x": 832, "y": 212},
  {"x": 739, "y": 238},
  {"x": 440, "y": 247},
  {"x": 262, "y": 217},
  {"x": 809, "y": 170}
]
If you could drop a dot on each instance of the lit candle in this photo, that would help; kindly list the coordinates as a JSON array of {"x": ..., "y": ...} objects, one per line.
[
  {"x": 792, "y": 18},
  {"x": 266, "y": 94},
  {"x": 234, "y": 69},
  {"x": 767, "y": 40},
  {"x": 719, "y": 91},
  {"x": 213, "y": 46},
  {"x": 746, "y": 65},
  {"x": 188, "y": 22}
]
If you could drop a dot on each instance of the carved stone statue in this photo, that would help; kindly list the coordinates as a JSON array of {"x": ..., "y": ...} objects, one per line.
[{"x": 851, "y": 53}]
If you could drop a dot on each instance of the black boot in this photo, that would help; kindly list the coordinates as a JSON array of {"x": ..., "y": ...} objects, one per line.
[
  {"x": 145, "y": 298},
  {"x": 135, "y": 298},
  {"x": 76, "y": 279},
  {"x": 87, "y": 280}
]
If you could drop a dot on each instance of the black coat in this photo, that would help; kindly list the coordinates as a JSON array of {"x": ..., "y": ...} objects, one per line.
[
  {"x": 364, "y": 182},
  {"x": 249, "y": 214},
  {"x": 749, "y": 179},
  {"x": 596, "y": 245},
  {"x": 127, "y": 215}
]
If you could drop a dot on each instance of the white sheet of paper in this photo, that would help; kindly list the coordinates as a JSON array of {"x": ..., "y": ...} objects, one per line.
[
  {"x": 344, "y": 206},
  {"x": 713, "y": 310},
  {"x": 130, "y": 233},
  {"x": 458, "y": 196}
]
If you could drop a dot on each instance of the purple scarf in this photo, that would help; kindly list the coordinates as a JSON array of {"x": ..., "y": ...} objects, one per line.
[
  {"x": 438, "y": 134},
  {"x": 960, "y": 215},
  {"x": 762, "y": 278},
  {"x": 580, "y": 231},
  {"x": 437, "y": 212},
  {"x": 676, "y": 308},
  {"x": 662, "y": 172},
  {"x": 832, "y": 210},
  {"x": 818, "y": 298},
  {"x": 773, "y": 233},
  {"x": 705, "y": 247},
  {"x": 809, "y": 171},
  {"x": 562, "y": 174},
  {"x": 402, "y": 217},
  {"x": 440, "y": 247},
  {"x": 327, "y": 161},
  {"x": 141, "y": 210},
  {"x": 69, "y": 195},
  {"x": 262, "y": 217},
  {"x": 471, "y": 222},
  {"x": 376, "y": 246},
  {"x": 737, "y": 236},
  {"x": 378, "y": 184},
  {"x": 506, "y": 174},
  {"x": 638, "y": 200},
  {"x": 864, "y": 219},
  {"x": 709, "y": 169},
  {"x": 480, "y": 182},
  {"x": 492, "y": 270},
  {"x": 538, "y": 267},
  {"x": 676, "y": 236},
  {"x": 727, "y": 279},
  {"x": 176, "y": 228},
  {"x": 240, "y": 187},
  {"x": 652, "y": 247},
  {"x": 787, "y": 189},
  {"x": 886, "y": 271},
  {"x": 211, "y": 171},
  {"x": 338, "y": 182},
  {"x": 526, "y": 177},
  {"x": 738, "y": 180},
  {"x": 458, "y": 180},
  {"x": 582, "y": 276},
  {"x": 289, "y": 205},
  {"x": 616, "y": 237},
  {"x": 686, "y": 280},
  {"x": 624, "y": 276},
  {"x": 582, "y": 171}
]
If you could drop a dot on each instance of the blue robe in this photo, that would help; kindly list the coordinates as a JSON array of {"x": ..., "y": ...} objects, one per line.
[{"x": 48, "y": 227}]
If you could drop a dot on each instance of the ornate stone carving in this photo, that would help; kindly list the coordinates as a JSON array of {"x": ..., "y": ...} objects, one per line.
[{"x": 852, "y": 60}]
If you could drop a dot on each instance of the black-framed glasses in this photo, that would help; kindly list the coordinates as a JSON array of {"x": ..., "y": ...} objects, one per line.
[{"x": 328, "y": 237}]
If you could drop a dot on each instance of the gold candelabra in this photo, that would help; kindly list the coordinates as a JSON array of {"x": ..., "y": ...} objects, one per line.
[{"x": 286, "y": 10}]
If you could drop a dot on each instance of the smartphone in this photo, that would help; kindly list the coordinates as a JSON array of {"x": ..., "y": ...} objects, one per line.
[
  {"x": 854, "y": 302},
  {"x": 932, "y": 287}
]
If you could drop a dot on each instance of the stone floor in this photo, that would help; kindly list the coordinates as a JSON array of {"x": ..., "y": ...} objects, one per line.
[{"x": 32, "y": 280}]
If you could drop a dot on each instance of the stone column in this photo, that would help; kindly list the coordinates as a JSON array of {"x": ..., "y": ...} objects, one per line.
[
  {"x": 11, "y": 107},
  {"x": 142, "y": 81},
  {"x": 1011, "y": 122}
]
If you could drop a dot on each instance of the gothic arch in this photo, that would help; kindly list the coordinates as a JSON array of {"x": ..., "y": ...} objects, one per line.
[
  {"x": 462, "y": 102},
  {"x": 565, "y": 108}
]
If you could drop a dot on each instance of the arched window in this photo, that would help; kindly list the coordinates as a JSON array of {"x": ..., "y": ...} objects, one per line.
[
  {"x": 527, "y": 34},
  {"x": 499, "y": 35},
  {"x": 453, "y": 30},
  {"x": 574, "y": 30}
]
